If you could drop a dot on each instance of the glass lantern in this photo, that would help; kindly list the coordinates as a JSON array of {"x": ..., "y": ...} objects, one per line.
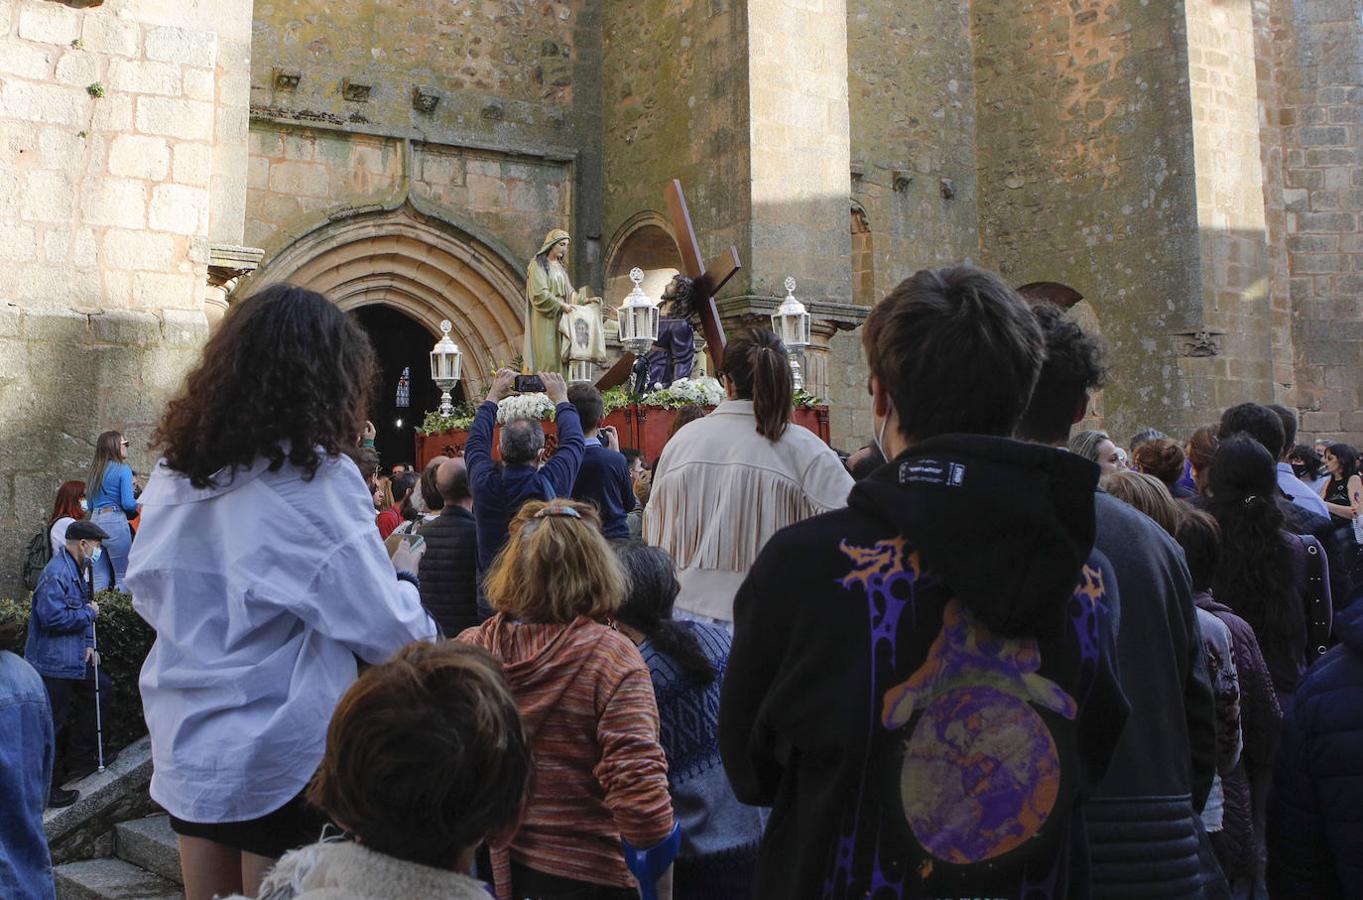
[
  {"x": 579, "y": 370},
  {"x": 447, "y": 363},
  {"x": 638, "y": 317},
  {"x": 791, "y": 324}
]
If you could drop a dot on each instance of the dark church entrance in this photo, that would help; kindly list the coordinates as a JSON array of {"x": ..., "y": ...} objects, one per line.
[{"x": 403, "y": 346}]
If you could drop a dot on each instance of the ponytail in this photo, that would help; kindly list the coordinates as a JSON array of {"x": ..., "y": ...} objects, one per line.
[
  {"x": 759, "y": 367},
  {"x": 679, "y": 643},
  {"x": 652, "y": 589}
]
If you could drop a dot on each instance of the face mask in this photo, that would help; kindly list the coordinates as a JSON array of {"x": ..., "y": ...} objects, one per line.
[
  {"x": 880, "y": 437},
  {"x": 95, "y": 554},
  {"x": 84, "y": 507}
]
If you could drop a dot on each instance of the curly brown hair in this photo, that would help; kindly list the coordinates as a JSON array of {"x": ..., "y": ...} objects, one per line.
[
  {"x": 286, "y": 368},
  {"x": 426, "y": 755}
]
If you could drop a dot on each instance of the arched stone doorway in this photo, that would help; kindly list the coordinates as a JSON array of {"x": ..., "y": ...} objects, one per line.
[
  {"x": 427, "y": 268},
  {"x": 402, "y": 344},
  {"x": 646, "y": 241}
]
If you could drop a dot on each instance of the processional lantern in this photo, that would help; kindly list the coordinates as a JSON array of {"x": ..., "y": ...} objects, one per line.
[
  {"x": 447, "y": 363},
  {"x": 638, "y": 317},
  {"x": 791, "y": 324},
  {"x": 579, "y": 370}
]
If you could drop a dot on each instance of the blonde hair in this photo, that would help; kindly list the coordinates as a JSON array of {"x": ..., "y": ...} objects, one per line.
[
  {"x": 556, "y": 566},
  {"x": 1148, "y": 495},
  {"x": 384, "y": 485}
]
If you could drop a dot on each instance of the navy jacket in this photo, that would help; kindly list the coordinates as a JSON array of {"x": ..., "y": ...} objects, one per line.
[
  {"x": 449, "y": 570},
  {"x": 26, "y": 754},
  {"x": 604, "y": 480},
  {"x": 60, "y": 629},
  {"x": 1315, "y": 817},
  {"x": 499, "y": 490},
  {"x": 1143, "y": 821}
]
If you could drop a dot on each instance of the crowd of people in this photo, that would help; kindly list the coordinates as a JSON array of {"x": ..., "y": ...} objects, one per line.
[{"x": 977, "y": 657}]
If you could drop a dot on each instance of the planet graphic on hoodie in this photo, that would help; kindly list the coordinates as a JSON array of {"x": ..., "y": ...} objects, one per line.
[{"x": 981, "y": 773}]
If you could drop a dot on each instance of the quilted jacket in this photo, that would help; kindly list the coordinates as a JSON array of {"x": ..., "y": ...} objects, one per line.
[{"x": 1316, "y": 806}]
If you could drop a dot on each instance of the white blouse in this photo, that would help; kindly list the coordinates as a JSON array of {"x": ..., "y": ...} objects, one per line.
[
  {"x": 262, "y": 592},
  {"x": 56, "y": 536}
]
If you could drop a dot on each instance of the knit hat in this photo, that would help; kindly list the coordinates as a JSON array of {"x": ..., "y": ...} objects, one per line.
[
  {"x": 552, "y": 238},
  {"x": 84, "y": 530}
]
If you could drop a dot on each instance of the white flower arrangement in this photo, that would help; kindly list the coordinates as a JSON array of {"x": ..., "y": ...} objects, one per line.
[
  {"x": 524, "y": 406},
  {"x": 686, "y": 391}
]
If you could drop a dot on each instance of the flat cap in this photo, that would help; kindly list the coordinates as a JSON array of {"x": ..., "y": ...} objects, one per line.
[{"x": 83, "y": 530}]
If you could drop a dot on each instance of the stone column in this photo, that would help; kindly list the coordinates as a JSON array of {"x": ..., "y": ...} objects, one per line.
[
  {"x": 226, "y": 264},
  {"x": 799, "y": 154},
  {"x": 827, "y": 320}
]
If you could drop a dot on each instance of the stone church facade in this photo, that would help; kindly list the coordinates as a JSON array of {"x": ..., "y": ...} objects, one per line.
[{"x": 1188, "y": 176}]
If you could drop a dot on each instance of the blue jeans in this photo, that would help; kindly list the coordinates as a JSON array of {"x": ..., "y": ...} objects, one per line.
[{"x": 111, "y": 568}]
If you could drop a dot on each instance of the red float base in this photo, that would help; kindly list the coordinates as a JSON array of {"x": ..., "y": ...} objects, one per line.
[{"x": 642, "y": 427}]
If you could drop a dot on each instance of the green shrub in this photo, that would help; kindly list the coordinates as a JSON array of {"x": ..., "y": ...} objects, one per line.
[{"x": 124, "y": 641}]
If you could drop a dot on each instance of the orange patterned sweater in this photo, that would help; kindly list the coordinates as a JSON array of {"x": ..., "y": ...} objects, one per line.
[{"x": 600, "y": 774}]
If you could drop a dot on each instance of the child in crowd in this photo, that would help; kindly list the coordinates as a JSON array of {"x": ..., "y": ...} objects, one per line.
[{"x": 426, "y": 758}]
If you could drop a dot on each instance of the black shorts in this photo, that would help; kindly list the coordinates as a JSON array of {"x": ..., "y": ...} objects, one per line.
[{"x": 295, "y": 824}]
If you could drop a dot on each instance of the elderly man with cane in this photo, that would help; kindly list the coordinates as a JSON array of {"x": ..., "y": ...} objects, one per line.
[{"x": 61, "y": 647}]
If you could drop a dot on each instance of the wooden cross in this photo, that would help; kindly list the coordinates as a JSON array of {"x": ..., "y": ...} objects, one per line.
[{"x": 707, "y": 284}]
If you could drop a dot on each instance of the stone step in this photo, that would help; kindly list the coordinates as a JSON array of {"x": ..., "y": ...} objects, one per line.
[
  {"x": 81, "y": 831},
  {"x": 112, "y": 879},
  {"x": 150, "y": 844}
]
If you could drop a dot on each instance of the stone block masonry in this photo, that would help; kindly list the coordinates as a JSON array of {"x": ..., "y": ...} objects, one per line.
[
  {"x": 90, "y": 169},
  {"x": 66, "y": 376},
  {"x": 1314, "y": 51},
  {"x": 122, "y": 155}
]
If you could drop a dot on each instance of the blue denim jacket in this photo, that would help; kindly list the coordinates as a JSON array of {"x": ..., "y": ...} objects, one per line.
[
  {"x": 25, "y": 773},
  {"x": 60, "y": 627}
]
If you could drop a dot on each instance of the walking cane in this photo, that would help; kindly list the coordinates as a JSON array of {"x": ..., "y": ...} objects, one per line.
[{"x": 94, "y": 639}]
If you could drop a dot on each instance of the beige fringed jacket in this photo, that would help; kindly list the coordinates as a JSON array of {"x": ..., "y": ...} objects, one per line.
[{"x": 721, "y": 490}]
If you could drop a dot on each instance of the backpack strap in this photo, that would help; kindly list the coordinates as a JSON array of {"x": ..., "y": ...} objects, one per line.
[{"x": 1316, "y": 595}]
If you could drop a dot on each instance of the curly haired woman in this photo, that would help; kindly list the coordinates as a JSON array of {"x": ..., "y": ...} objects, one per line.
[{"x": 259, "y": 567}]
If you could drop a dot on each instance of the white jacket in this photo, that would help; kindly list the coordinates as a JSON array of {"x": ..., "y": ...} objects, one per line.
[
  {"x": 262, "y": 591},
  {"x": 721, "y": 490}
]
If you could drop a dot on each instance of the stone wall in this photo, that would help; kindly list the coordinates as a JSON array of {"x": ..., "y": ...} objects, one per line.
[
  {"x": 494, "y": 79},
  {"x": 302, "y": 177},
  {"x": 675, "y": 104},
  {"x": 1236, "y": 308},
  {"x": 798, "y": 135},
  {"x": 911, "y": 97},
  {"x": 912, "y": 109},
  {"x": 1314, "y": 48},
  {"x": 1086, "y": 164},
  {"x": 122, "y": 160}
]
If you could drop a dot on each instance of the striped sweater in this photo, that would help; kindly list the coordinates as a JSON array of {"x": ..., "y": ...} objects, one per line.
[{"x": 587, "y": 702}]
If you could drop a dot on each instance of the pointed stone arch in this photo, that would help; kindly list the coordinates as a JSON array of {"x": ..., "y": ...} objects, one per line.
[
  {"x": 644, "y": 240},
  {"x": 428, "y": 267}
]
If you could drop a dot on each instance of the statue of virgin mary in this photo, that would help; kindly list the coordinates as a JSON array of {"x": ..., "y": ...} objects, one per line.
[{"x": 549, "y": 295}]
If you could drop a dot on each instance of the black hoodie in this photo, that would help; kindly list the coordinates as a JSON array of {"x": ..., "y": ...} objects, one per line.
[{"x": 922, "y": 685}]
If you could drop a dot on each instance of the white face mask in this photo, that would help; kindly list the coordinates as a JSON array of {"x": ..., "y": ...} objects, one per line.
[
  {"x": 880, "y": 438},
  {"x": 84, "y": 506},
  {"x": 92, "y": 555}
]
